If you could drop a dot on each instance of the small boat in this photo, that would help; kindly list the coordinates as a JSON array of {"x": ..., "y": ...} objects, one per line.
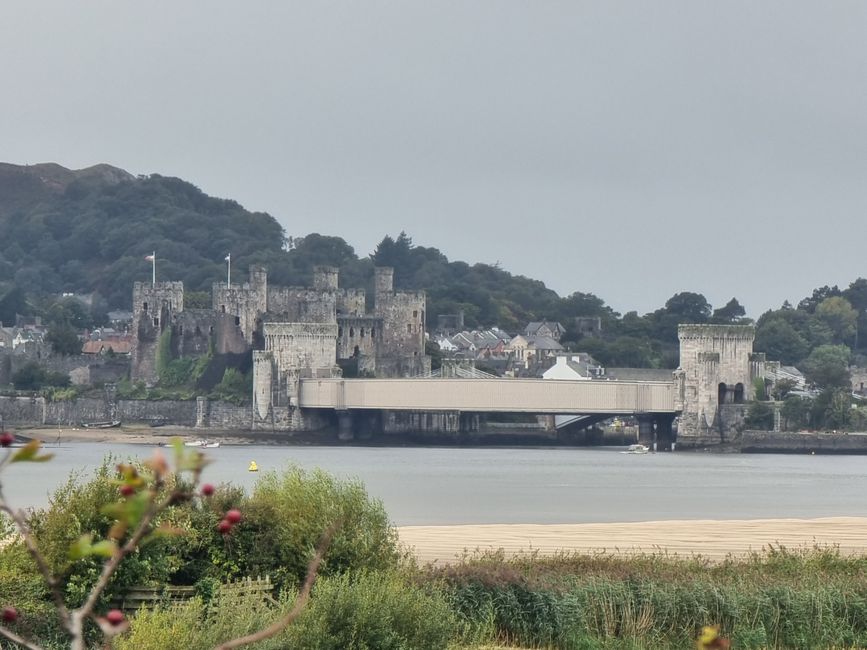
[
  {"x": 113, "y": 424},
  {"x": 636, "y": 449},
  {"x": 203, "y": 443}
]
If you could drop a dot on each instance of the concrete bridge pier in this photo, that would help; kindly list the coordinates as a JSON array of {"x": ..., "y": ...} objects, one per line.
[
  {"x": 645, "y": 430},
  {"x": 345, "y": 426},
  {"x": 664, "y": 434}
]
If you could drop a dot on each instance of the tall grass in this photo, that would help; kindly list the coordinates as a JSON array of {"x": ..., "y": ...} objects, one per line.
[{"x": 778, "y": 599}]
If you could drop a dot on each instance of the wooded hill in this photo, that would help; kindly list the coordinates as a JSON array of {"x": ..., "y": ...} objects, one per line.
[{"x": 89, "y": 231}]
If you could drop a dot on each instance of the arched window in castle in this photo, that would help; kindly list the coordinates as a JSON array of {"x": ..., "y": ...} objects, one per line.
[
  {"x": 352, "y": 332},
  {"x": 373, "y": 333},
  {"x": 339, "y": 332},
  {"x": 415, "y": 313},
  {"x": 739, "y": 393},
  {"x": 223, "y": 308},
  {"x": 355, "y": 352},
  {"x": 722, "y": 393},
  {"x": 361, "y": 333},
  {"x": 144, "y": 307},
  {"x": 238, "y": 320},
  {"x": 409, "y": 328},
  {"x": 156, "y": 322}
]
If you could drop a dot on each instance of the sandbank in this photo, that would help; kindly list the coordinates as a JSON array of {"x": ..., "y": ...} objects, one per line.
[{"x": 713, "y": 539}]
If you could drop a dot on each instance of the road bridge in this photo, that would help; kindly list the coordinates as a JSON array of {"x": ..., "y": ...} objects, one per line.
[
  {"x": 654, "y": 402},
  {"x": 490, "y": 395}
]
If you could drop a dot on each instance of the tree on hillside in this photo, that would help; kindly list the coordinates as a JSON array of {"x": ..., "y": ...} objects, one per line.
[
  {"x": 731, "y": 313},
  {"x": 63, "y": 339},
  {"x": 838, "y": 315},
  {"x": 828, "y": 366},
  {"x": 809, "y": 304},
  {"x": 780, "y": 341}
]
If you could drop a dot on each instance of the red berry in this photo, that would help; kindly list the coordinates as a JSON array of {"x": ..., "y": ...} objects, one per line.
[
  {"x": 6, "y": 439},
  {"x": 10, "y": 615},
  {"x": 126, "y": 489},
  {"x": 115, "y": 617},
  {"x": 224, "y": 527},
  {"x": 207, "y": 489},
  {"x": 233, "y": 516}
]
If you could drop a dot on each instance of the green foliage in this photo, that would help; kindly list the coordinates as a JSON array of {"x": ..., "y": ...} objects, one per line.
[
  {"x": 381, "y": 610},
  {"x": 287, "y": 513},
  {"x": 837, "y": 313},
  {"x": 63, "y": 339},
  {"x": 32, "y": 376},
  {"x": 828, "y": 366},
  {"x": 164, "y": 355},
  {"x": 780, "y": 599},
  {"x": 78, "y": 509},
  {"x": 760, "y": 415},
  {"x": 235, "y": 387},
  {"x": 197, "y": 625},
  {"x": 760, "y": 390},
  {"x": 796, "y": 412},
  {"x": 22, "y": 584},
  {"x": 197, "y": 300}
]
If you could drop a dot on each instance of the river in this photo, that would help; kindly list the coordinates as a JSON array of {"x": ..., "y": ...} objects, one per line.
[{"x": 452, "y": 485}]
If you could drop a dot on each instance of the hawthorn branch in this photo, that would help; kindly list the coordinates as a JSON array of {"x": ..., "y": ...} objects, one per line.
[
  {"x": 24, "y": 643},
  {"x": 41, "y": 563},
  {"x": 300, "y": 600}
]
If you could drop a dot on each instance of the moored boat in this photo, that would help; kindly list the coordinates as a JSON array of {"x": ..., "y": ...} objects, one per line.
[
  {"x": 636, "y": 449},
  {"x": 113, "y": 424}
]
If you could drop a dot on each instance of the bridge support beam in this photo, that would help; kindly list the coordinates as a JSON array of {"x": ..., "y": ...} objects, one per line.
[
  {"x": 664, "y": 434},
  {"x": 345, "y": 426},
  {"x": 645, "y": 430}
]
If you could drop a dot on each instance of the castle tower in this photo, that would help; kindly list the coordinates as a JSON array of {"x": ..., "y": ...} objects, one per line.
[
  {"x": 383, "y": 279},
  {"x": 400, "y": 347},
  {"x": 716, "y": 369},
  {"x": 245, "y": 302},
  {"x": 153, "y": 306},
  {"x": 325, "y": 278}
]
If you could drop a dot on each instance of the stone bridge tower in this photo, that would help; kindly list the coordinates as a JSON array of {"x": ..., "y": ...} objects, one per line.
[{"x": 717, "y": 368}]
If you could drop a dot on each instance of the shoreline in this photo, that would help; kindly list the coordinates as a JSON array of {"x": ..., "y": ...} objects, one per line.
[{"x": 714, "y": 540}]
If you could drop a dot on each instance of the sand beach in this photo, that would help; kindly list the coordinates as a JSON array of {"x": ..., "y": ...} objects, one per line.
[{"x": 713, "y": 539}]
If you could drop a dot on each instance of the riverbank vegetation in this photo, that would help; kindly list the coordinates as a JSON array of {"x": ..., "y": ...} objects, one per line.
[{"x": 371, "y": 594}]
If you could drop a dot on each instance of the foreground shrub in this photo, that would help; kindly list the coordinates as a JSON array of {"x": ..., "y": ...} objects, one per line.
[
  {"x": 369, "y": 610},
  {"x": 286, "y": 514},
  {"x": 195, "y": 625}
]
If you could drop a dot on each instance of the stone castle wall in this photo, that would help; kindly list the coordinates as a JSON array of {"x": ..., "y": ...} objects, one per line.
[
  {"x": 301, "y": 305},
  {"x": 358, "y": 336}
]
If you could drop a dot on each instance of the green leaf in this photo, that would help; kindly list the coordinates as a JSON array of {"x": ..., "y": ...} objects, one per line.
[
  {"x": 105, "y": 548},
  {"x": 28, "y": 454},
  {"x": 80, "y": 548}
]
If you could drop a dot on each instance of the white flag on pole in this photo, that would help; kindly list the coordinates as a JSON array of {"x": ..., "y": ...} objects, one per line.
[{"x": 149, "y": 258}]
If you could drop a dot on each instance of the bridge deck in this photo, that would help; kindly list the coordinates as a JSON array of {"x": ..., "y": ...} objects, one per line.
[{"x": 490, "y": 395}]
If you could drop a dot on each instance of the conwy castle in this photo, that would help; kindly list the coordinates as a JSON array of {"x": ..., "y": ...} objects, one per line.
[{"x": 294, "y": 333}]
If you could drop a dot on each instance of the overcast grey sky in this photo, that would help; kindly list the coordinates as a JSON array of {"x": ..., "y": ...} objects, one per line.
[{"x": 629, "y": 149}]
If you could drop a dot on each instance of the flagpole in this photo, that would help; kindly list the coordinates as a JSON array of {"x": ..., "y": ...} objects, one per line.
[
  {"x": 229, "y": 270},
  {"x": 154, "y": 269}
]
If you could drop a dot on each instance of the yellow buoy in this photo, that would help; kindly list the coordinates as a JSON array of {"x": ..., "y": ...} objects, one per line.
[{"x": 253, "y": 466}]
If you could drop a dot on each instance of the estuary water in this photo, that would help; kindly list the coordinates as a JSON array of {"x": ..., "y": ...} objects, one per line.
[{"x": 449, "y": 485}]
